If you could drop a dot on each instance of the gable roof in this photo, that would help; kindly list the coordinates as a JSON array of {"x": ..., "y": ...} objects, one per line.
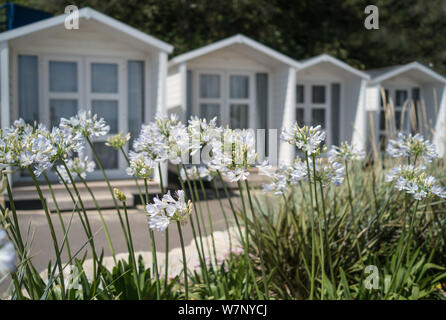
[
  {"x": 381, "y": 74},
  {"x": 306, "y": 63},
  {"x": 87, "y": 13},
  {"x": 236, "y": 39}
]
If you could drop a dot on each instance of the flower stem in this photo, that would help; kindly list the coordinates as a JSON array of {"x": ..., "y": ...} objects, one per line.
[
  {"x": 183, "y": 252},
  {"x": 153, "y": 244},
  {"x": 259, "y": 244},
  {"x": 52, "y": 232}
]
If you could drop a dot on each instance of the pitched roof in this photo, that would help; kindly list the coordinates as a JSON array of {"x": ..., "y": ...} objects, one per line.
[
  {"x": 381, "y": 74},
  {"x": 306, "y": 63},
  {"x": 87, "y": 13},
  {"x": 236, "y": 39}
]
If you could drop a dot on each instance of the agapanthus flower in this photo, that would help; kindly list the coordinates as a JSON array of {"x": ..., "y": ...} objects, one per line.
[
  {"x": 85, "y": 123},
  {"x": 415, "y": 181},
  {"x": 201, "y": 132},
  {"x": 190, "y": 173},
  {"x": 166, "y": 138},
  {"x": 234, "y": 154},
  {"x": 23, "y": 146},
  {"x": 118, "y": 141},
  {"x": 306, "y": 139},
  {"x": 412, "y": 147},
  {"x": 346, "y": 152},
  {"x": 141, "y": 165},
  {"x": 7, "y": 254},
  {"x": 78, "y": 167},
  {"x": 167, "y": 209},
  {"x": 66, "y": 143},
  {"x": 283, "y": 177}
]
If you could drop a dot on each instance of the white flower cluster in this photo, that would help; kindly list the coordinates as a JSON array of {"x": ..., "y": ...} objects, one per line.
[
  {"x": 7, "y": 254},
  {"x": 162, "y": 211},
  {"x": 140, "y": 165},
  {"x": 307, "y": 139},
  {"x": 86, "y": 124},
  {"x": 414, "y": 180},
  {"x": 233, "y": 154},
  {"x": 283, "y": 177},
  {"x": 23, "y": 146},
  {"x": 78, "y": 167},
  {"x": 346, "y": 152},
  {"x": 163, "y": 139},
  {"x": 412, "y": 147},
  {"x": 202, "y": 133}
]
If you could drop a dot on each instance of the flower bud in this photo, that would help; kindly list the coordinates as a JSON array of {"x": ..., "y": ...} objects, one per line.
[{"x": 119, "y": 195}]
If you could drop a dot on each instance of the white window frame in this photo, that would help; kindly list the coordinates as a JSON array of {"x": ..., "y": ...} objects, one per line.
[
  {"x": 250, "y": 101},
  {"x": 120, "y": 97},
  {"x": 225, "y": 101},
  {"x": 308, "y": 104},
  {"x": 392, "y": 94},
  {"x": 200, "y": 100},
  {"x": 47, "y": 95}
]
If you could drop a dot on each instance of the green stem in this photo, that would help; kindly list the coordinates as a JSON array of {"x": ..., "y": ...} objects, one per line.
[
  {"x": 259, "y": 244},
  {"x": 52, "y": 232},
  {"x": 246, "y": 244},
  {"x": 199, "y": 250},
  {"x": 313, "y": 234},
  {"x": 211, "y": 227},
  {"x": 224, "y": 215},
  {"x": 183, "y": 252},
  {"x": 87, "y": 222},
  {"x": 197, "y": 219},
  {"x": 132, "y": 252},
  {"x": 203, "y": 225},
  {"x": 104, "y": 225},
  {"x": 62, "y": 224},
  {"x": 166, "y": 263},
  {"x": 153, "y": 244},
  {"x": 321, "y": 241}
]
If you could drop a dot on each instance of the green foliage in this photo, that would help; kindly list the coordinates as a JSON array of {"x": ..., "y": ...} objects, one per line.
[
  {"x": 227, "y": 281},
  {"x": 371, "y": 234},
  {"x": 408, "y": 30}
]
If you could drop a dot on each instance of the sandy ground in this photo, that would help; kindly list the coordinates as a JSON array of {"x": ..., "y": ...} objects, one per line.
[{"x": 42, "y": 249}]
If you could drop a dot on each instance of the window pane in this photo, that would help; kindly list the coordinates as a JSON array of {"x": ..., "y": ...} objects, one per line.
[
  {"x": 239, "y": 87},
  {"x": 107, "y": 109},
  {"x": 300, "y": 98},
  {"x": 135, "y": 78},
  {"x": 318, "y": 117},
  {"x": 318, "y": 94},
  {"x": 382, "y": 142},
  {"x": 104, "y": 77},
  {"x": 209, "y": 86},
  {"x": 300, "y": 116},
  {"x": 239, "y": 116},
  {"x": 401, "y": 97},
  {"x": 398, "y": 119},
  {"x": 382, "y": 120},
  {"x": 28, "y": 88},
  {"x": 61, "y": 108},
  {"x": 107, "y": 155},
  {"x": 63, "y": 76},
  {"x": 209, "y": 111}
]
